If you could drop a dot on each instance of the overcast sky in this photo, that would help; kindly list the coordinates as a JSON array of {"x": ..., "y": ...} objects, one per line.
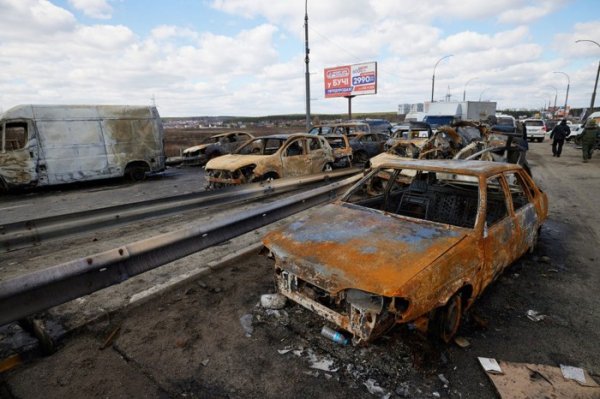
[{"x": 246, "y": 57}]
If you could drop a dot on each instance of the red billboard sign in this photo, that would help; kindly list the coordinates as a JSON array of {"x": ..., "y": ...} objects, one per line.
[{"x": 351, "y": 80}]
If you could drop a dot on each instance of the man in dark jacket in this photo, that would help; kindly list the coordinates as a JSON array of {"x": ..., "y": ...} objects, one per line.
[
  {"x": 558, "y": 136},
  {"x": 588, "y": 139}
]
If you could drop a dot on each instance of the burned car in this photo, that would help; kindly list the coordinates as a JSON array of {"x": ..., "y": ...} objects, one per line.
[
  {"x": 367, "y": 145},
  {"x": 340, "y": 128},
  {"x": 271, "y": 157},
  {"x": 214, "y": 146},
  {"x": 342, "y": 151},
  {"x": 414, "y": 241}
]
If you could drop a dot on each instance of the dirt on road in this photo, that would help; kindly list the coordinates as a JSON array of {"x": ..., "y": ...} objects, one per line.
[{"x": 209, "y": 338}]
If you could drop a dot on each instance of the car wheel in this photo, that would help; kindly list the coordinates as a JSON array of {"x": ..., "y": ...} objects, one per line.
[
  {"x": 540, "y": 139},
  {"x": 445, "y": 321},
  {"x": 327, "y": 167}
]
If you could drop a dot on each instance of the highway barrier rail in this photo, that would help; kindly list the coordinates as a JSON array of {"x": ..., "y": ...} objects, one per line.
[
  {"x": 27, "y": 233},
  {"x": 28, "y": 294}
]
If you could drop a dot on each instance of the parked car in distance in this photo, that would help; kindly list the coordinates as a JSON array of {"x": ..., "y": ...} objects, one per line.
[
  {"x": 367, "y": 145},
  {"x": 214, "y": 146},
  {"x": 414, "y": 241},
  {"x": 536, "y": 129},
  {"x": 342, "y": 151},
  {"x": 505, "y": 124},
  {"x": 378, "y": 125},
  {"x": 271, "y": 157},
  {"x": 340, "y": 128}
]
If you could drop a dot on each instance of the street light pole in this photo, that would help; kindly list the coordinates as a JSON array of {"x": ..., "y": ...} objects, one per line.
[
  {"x": 482, "y": 91},
  {"x": 465, "y": 89},
  {"x": 306, "y": 61},
  {"x": 555, "y": 95},
  {"x": 568, "y": 85},
  {"x": 597, "y": 74},
  {"x": 433, "y": 77}
]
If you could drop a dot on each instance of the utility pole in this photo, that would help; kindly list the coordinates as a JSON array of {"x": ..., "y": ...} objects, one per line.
[
  {"x": 597, "y": 74},
  {"x": 306, "y": 61}
]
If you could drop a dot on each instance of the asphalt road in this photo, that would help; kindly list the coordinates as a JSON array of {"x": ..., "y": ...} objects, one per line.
[{"x": 190, "y": 341}]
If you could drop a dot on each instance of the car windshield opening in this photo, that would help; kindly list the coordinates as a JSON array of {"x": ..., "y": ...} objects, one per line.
[{"x": 439, "y": 197}]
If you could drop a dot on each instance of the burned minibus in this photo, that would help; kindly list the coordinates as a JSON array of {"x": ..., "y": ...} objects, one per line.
[{"x": 43, "y": 145}]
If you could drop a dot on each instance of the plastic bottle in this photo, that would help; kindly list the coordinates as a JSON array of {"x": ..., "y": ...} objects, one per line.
[{"x": 334, "y": 336}]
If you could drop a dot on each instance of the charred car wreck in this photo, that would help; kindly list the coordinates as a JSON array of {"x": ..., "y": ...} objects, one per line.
[
  {"x": 413, "y": 241},
  {"x": 271, "y": 157}
]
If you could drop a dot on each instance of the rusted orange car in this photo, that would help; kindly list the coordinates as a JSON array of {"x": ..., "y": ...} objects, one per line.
[{"x": 413, "y": 241}]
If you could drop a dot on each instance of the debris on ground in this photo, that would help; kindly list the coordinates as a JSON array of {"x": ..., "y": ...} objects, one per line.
[
  {"x": 462, "y": 342},
  {"x": 246, "y": 322},
  {"x": 534, "y": 315},
  {"x": 273, "y": 301},
  {"x": 334, "y": 336},
  {"x": 521, "y": 380}
]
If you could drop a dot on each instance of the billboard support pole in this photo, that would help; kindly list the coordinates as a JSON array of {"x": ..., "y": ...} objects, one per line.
[
  {"x": 306, "y": 61},
  {"x": 349, "y": 106}
]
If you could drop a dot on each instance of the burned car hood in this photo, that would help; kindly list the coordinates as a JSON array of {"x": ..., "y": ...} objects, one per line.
[
  {"x": 344, "y": 246},
  {"x": 196, "y": 148},
  {"x": 232, "y": 162}
]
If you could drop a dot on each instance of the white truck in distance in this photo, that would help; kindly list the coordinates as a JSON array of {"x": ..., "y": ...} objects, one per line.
[{"x": 447, "y": 113}]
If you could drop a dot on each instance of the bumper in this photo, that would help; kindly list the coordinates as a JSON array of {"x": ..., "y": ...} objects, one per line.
[{"x": 363, "y": 324}]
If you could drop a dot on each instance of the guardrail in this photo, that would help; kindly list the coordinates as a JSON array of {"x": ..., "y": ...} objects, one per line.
[
  {"x": 24, "y": 234},
  {"x": 27, "y": 294}
]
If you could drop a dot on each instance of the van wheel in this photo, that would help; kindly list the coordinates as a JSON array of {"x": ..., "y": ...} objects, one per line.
[
  {"x": 136, "y": 173},
  {"x": 445, "y": 321}
]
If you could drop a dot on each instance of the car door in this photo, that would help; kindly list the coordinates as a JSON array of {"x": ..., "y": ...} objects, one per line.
[
  {"x": 295, "y": 159},
  {"x": 526, "y": 217},
  {"x": 499, "y": 236},
  {"x": 316, "y": 155}
]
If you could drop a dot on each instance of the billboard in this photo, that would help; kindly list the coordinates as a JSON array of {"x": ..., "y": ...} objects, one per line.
[{"x": 351, "y": 80}]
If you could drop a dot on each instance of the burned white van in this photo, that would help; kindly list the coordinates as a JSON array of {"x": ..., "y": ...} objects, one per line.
[{"x": 43, "y": 145}]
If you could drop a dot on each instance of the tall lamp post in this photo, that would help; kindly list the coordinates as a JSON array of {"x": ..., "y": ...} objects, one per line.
[
  {"x": 555, "y": 95},
  {"x": 465, "y": 89},
  {"x": 306, "y": 61},
  {"x": 482, "y": 91},
  {"x": 597, "y": 73},
  {"x": 568, "y": 85},
  {"x": 433, "y": 77}
]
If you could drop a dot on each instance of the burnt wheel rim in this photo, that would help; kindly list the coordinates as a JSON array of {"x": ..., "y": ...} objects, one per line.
[{"x": 451, "y": 319}]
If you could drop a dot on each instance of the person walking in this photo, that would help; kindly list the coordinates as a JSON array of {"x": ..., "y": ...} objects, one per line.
[
  {"x": 588, "y": 139},
  {"x": 558, "y": 136}
]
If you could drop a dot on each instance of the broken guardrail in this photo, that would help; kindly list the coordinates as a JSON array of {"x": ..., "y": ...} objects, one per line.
[
  {"x": 27, "y": 294},
  {"x": 24, "y": 234}
]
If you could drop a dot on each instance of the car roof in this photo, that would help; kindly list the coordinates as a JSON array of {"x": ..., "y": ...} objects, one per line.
[
  {"x": 228, "y": 133},
  {"x": 458, "y": 166},
  {"x": 285, "y": 136}
]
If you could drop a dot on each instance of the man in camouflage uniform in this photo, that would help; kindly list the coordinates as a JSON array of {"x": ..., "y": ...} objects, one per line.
[{"x": 588, "y": 139}]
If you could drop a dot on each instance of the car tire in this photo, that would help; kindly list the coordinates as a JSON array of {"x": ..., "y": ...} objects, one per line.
[
  {"x": 445, "y": 321},
  {"x": 541, "y": 139}
]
